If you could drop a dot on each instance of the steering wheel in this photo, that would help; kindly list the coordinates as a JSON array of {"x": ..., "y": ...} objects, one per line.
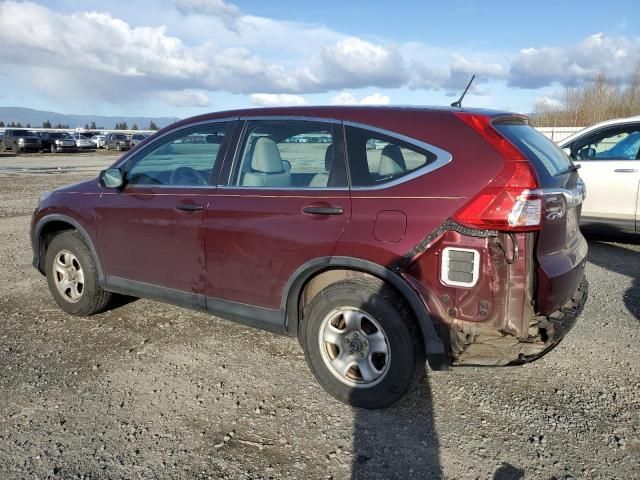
[{"x": 187, "y": 176}]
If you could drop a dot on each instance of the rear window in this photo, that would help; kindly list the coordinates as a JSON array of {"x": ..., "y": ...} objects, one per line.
[{"x": 547, "y": 157}]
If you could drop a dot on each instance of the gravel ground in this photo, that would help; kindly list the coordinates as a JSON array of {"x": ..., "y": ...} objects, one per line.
[{"x": 154, "y": 391}]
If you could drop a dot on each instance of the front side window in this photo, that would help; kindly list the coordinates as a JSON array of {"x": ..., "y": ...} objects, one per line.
[
  {"x": 376, "y": 159},
  {"x": 183, "y": 159},
  {"x": 288, "y": 154},
  {"x": 612, "y": 144}
]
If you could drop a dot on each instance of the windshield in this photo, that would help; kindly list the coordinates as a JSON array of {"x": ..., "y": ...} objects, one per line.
[{"x": 546, "y": 156}]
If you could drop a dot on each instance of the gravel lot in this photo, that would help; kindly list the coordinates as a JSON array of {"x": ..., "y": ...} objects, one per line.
[{"x": 154, "y": 391}]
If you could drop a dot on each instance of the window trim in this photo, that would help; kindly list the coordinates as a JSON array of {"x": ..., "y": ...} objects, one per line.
[
  {"x": 151, "y": 146},
  {"x": 226, "y": 184},
  {"x": 442, "y": 156}
]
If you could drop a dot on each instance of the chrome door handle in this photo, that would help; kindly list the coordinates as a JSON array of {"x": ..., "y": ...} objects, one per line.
[{"x": 626, "y": 170}]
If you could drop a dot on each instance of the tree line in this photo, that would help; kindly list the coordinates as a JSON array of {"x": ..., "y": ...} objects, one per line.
[
  {"x": 595, "y": 101},
  {"x": 87, "y": 126}
]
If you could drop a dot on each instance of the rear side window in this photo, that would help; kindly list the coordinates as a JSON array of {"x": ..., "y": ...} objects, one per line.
[
  {"x": 545, "y": 155},
  {"x": 376, "y": 159}
]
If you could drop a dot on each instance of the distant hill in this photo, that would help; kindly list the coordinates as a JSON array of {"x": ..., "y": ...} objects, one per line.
[{"x": 36, "y": 117}]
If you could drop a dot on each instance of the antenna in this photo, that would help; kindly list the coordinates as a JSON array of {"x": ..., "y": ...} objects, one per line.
[{"x": 459, "y": 102}]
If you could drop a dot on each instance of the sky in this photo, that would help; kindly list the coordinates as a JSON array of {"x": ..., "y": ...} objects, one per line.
[{"x": 186, "y": 57}]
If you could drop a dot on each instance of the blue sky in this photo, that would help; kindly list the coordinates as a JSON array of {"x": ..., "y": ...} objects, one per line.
[{"x": 184, "y": 57}]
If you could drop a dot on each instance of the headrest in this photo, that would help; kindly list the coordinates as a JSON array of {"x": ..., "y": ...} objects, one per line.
[
  {"x": 266, "y": 156},
  {"x": 328, "y": 158},
  {"x": 391, "y": 161}
]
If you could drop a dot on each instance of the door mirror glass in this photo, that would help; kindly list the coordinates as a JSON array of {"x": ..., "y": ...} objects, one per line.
[{"x": 111, "y": 178}]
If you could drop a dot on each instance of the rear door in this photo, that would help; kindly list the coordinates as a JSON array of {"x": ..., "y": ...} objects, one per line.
[
  {"x": 285, "y": 202},
  {"x": 611, "y": 171},
  {"x": 561, "y": 250}
]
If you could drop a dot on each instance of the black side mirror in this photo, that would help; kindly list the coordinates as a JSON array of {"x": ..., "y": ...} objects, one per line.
[{"x": 112, "y": 178}]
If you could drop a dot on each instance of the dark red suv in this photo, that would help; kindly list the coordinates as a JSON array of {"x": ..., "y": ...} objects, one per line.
[{"x": 378, "y": 235}]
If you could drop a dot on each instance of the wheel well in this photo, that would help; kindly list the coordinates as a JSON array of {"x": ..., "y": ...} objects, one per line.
[
  {"x": 50, "y": 230},
  {"x": 322, "y": 280}
]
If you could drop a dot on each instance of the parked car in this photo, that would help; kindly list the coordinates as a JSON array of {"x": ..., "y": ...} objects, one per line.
[
  {"x": 458, "y": 240},
  {"x": 609, "y": 156},
  {"x": 57, "y": 142},
  {"x": 136, "y": 138},
  {"x": 117, "y": 141},
  {"x": 18, "y": 141},
  {"x": 82, "y": 142},
  {"x": 98, "y": 141}
]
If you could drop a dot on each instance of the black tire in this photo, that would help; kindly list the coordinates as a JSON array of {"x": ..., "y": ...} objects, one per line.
[
  {"x": 93, "y": 299},
  {"x": 406, "y": 359}
]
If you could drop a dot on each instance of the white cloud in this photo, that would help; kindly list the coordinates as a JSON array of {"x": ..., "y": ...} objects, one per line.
[
  {"x": 347, "y": 98},
  {"x": 547, "y": 102},
  {"x": 573, "y": 64},
  {"x": 355, "y": 63},
  {"x": 276, "y": 99},
  {"x": 186, "y": 98}
]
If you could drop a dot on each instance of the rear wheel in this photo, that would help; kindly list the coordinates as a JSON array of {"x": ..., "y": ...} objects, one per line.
[
  {"x": 72, "y": 276},
  {"x": 362, "y": 343}
]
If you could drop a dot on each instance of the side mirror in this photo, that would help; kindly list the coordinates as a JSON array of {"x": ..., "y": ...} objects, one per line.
[{"x": 111, "y": 178}]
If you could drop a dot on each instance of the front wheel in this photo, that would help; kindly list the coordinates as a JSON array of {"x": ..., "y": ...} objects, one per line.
[
  {"x": 72, "y": 276},
  {"x": 362, "y": 343}
]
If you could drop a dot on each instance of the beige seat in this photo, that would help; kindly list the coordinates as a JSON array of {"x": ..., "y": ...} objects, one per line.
[
  {"x": 320, "y": 180},
  {"x": 392, "y": 162},
  {"x": 266, "y": 166}
]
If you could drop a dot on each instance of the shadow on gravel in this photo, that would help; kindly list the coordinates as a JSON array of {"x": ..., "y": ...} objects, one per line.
[
  {"x": 619, "y": 260},
  {"x": 508, "y": 472},
  {"x": 398, "y": 442}
]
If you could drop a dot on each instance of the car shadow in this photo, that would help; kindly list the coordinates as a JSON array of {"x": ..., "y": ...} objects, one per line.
[
  {"x": 399, "y": 441},
  {"x": 506, "y": 471},
  {"x": 605, "y": 254}
]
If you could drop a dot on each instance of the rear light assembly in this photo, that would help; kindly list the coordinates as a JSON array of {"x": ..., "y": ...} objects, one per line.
[{"x": 512, "y": 200}]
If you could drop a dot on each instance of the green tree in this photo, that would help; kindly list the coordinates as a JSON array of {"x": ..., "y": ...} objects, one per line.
[
  {"x": 86, "y": 126},
  {"x": 28, "y": 125},
  {"x": 93, "y": 126},
  {"x": 152, "y": 125},
  {"x": 134, "y": 127},
  {"x": 1, "y": 124},
  {"x": 46, "y": 124},
  {"x": 18, "y": 125},
  {"x": 13, "y": 124}
]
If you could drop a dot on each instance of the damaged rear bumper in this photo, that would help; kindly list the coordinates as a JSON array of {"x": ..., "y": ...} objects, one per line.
[{"x": 545, "y": 332}]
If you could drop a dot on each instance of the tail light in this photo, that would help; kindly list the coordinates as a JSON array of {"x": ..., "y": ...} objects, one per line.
[{"x": 511, "y": 201}]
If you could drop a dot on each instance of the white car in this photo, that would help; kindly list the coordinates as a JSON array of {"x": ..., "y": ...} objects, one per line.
[
  {"x": 98, "y": 141},
  {"x": 609, "y": 157}
]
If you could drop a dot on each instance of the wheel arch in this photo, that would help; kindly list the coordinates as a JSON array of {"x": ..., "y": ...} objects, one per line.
[
  {"x": 303, "y": 276},
  {"x": 55, "y": 223}
]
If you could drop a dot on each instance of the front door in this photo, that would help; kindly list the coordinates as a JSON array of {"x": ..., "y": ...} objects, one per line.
[
  {"x": 285, "y": 202},
  {"x": 151, "y": 232},
  {"x": 610, "y": 169}
]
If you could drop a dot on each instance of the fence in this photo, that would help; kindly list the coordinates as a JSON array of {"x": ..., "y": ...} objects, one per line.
[{"x": 558, "y": 134}]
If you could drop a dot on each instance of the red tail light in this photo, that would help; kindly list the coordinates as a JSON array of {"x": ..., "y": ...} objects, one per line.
[{"x": 511, "y": 201}]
